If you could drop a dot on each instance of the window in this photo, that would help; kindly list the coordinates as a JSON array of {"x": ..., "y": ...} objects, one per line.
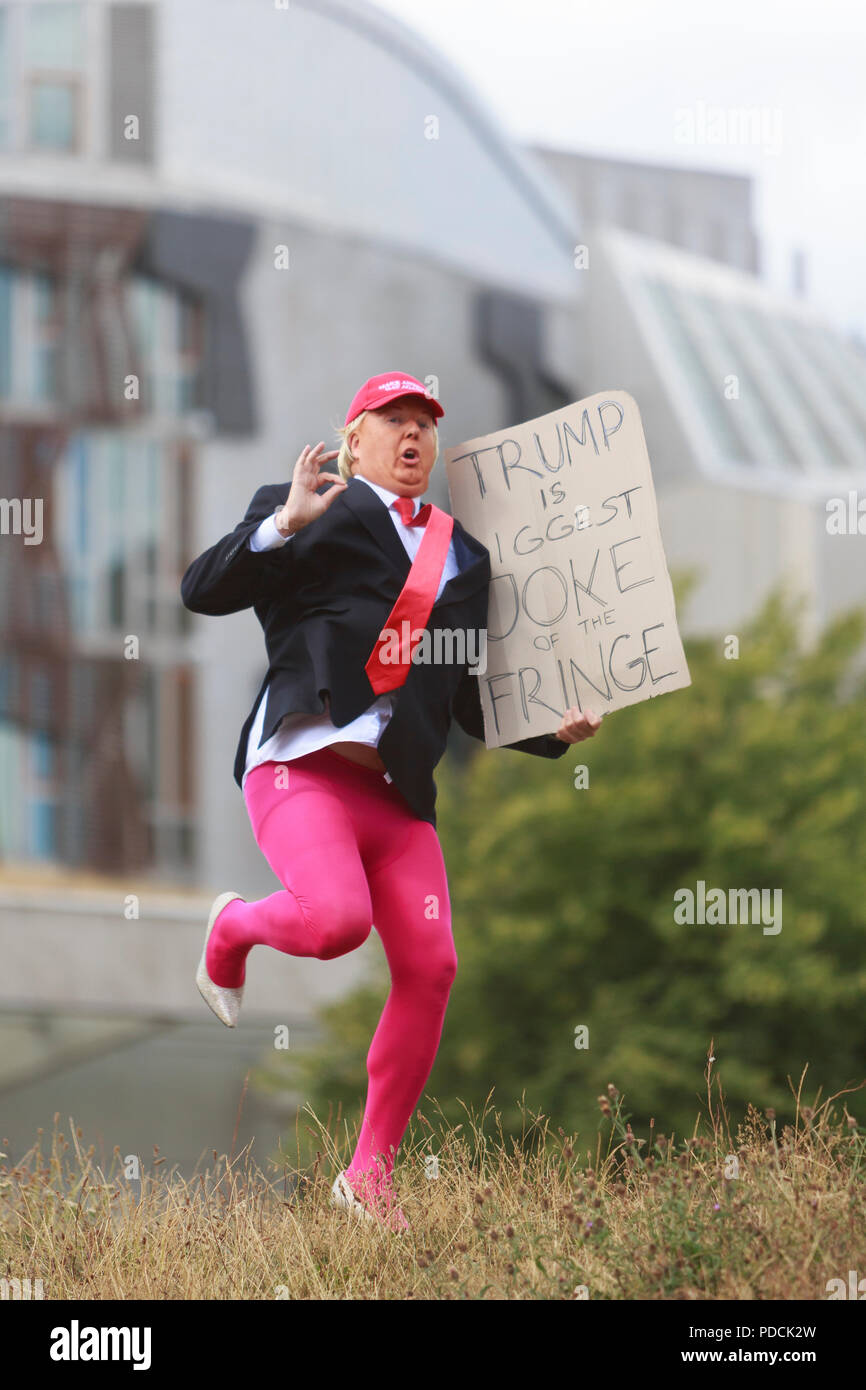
[
  {"x": 29, "y": 336},
  {"x": 190, "y": 348},
  {"x": 4, "y": 79},
  {"x": 46, "y": 600},
  {"x": 54, "y": 56},
  {"x": 55, "y": 36},
  {"x": 54, "y": 114},
  {"x": 46, "y": 329},
  {"x": 42, "y": 753},
  {"x": 6, "y": 281},
  {"x": 41, "y": 696},
  {"x": 705, "y": 391},
  {"x": 43, "y": 827},
  {"x": 116, "y": 593},
  {"x": 8, "y": 686},
  {"x": 83, "y": 692},
  {"x": 168, "y": 326},
  {"x": 79, "y": 451}
]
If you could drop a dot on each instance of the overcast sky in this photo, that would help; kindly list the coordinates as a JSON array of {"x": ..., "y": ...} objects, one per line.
[{"x": 610, "y": 78}]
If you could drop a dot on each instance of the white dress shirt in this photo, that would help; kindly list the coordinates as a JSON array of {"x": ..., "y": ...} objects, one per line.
[{"x": 298, "y": 734}]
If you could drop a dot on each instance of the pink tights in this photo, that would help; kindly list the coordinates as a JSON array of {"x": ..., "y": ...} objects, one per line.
[{"x": 350, "y": 853}]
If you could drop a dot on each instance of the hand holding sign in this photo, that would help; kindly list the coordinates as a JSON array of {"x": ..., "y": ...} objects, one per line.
[
  {"x": 581, "y": 610},
  {"x": 575, "y": 727}
]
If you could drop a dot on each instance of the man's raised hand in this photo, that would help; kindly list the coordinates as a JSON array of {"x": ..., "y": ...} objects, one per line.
[{"x": 303, "y": 503}]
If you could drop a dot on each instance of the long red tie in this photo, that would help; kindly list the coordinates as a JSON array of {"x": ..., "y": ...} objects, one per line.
[{"x": 415, "y": 600}]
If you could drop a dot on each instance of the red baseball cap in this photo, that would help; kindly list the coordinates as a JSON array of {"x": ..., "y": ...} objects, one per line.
[{"x": 379, "y": 390}]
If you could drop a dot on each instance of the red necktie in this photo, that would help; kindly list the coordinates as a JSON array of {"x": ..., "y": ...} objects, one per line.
[{"x": 416, "y": 598}]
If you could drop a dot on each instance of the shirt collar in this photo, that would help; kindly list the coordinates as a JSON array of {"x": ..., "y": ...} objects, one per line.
[{"x": 389, "y": 497}]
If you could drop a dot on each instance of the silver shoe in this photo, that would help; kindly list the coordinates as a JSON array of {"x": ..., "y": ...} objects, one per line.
[{"x": 225, "y": 1002}]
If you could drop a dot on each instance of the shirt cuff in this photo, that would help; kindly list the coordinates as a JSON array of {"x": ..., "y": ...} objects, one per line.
[{"x": 267, "y": 537}]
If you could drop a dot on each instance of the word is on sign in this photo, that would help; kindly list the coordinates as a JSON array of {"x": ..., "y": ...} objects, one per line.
[{"x": 581, "y": 609}]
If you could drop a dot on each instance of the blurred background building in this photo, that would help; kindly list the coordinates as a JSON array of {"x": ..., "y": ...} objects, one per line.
[{"x": 216, "y": 220}]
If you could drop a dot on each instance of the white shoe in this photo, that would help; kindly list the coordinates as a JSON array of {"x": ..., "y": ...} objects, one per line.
[
  {"x": 225, "y": 1002},
  {"x": 343, "y": 1196}
]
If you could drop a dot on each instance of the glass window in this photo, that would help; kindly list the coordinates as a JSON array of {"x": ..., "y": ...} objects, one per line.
[
  {"x": 55, "y": 36},
  {"x": 44, "y": 296},
  {"x": 42, "y": 311},
  {"x": 117, "y": 465},
  {"x": 78, "y": 448},
  {"x": 169, "y": 333},
  {"x": 116, "y": 591},
  {"x": 6, "y": 282},
  {"x": 761, "y": 328},
  {"x": 707, "y": 393},
  {"x": 142, "y": 296},
  {"x": 760, "y": 415},
  {"x": 8, "y": 685},
  {"x": 54, "y": 58},
  {"x": 839, "y": 368},
  {"x": 53, "y": 114},
  {"x": 188, "y": 330},
  {"x": 4, "y": 81},
  {"x": 44, "y": 829},
  {"x": 77, "y": 592},
  {"x": 154, "y": 461},
  {"x": 142, "y": 734},
  {"x": 46, "y": 599},
  {"x": 42, "y": 751},
  {"x": 45, "y": 372},
  {"x": 29, "y": 333},
  {"x": 76, "y": 826},
  {"x": 83, "y": 687},
  {"x": 41, "y": 695}
]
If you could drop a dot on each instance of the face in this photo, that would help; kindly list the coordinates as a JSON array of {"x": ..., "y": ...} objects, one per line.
[{"x": 381, "y": 444}]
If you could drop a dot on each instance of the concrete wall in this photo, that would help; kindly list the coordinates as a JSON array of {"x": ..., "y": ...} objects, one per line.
[{"x": 75, "y": 949}]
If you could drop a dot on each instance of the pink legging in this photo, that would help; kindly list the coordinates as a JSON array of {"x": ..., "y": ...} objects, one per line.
[{"x": 351, "y": 853}]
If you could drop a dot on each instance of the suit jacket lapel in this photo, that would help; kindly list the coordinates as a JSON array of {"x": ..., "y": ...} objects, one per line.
[
  {"x": 474, "y": 572},
  {"x": 372, "y": 512}
]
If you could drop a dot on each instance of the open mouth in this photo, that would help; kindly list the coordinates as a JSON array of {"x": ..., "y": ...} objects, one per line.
[{"x": 410, "y": 455}]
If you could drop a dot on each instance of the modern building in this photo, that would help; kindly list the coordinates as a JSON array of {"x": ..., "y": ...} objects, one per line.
[
  {"x": 751, "y": 401},
  {"x": 195, "y": 277},
  {"x": 755, "y": 412},
  {"x": 703, "y": 211}
]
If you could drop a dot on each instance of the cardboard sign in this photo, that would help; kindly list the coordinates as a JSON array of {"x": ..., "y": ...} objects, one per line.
[{"x": 581, "y": 608}]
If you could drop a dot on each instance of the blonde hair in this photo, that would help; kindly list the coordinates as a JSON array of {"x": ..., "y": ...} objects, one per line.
[{"x": 346, "y": 458}]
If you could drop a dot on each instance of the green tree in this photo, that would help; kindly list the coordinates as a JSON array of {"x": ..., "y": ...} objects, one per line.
[{"x": 563, "y": 901}]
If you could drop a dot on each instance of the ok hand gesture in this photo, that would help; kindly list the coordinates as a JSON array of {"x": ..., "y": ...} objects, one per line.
[{"x": 303, "y": 503}]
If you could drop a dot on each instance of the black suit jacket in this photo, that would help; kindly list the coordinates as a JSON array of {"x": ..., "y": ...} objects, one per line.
[{"x": 322, "y": 600}]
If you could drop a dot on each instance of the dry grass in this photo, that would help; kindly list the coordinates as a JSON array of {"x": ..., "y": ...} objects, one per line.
[{"x": 640, "y": 1218}]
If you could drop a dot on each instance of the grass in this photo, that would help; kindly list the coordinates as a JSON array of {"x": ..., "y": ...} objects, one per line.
[{"x": 762, "y": 1214}]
